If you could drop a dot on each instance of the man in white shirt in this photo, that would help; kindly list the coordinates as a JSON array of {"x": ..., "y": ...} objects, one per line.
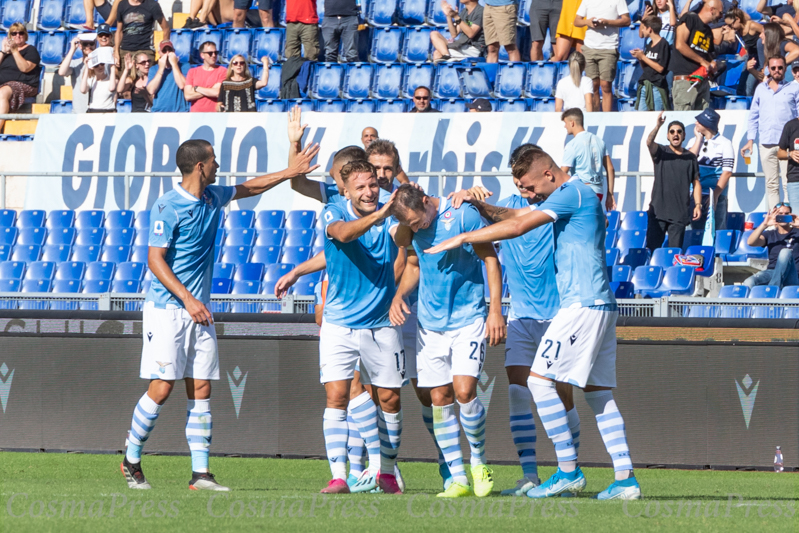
[{"x": 601, "y": 44}]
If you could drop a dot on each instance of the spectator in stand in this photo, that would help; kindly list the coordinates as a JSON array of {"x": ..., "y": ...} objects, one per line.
[
  {"x": 135, "y": 23},
  {"x": 166, "y": 82},
  {"x": 693, "y": 49},
  {"x": 653, "y": 89},
  {"x": 104, "y": 36},
  {"x": 716, "y": 159},
  {"x": 667, "y": 13},
  {"x": 302, "y": 29},
  {"x": 102, "y": 6},
  {"x": 204, "y": 12},
  {"x": 99, "y": 81},
  {"x": 544, "y": 15},
  {"x": 569, "y": 36},
  {"x": 480, "y": 105},
  {"x": 240, "y": 8},
  {"x": 421, "y": 101},
  {"x": 203, "y": 82},
  {"x": 676, "y": 171},
  {"x": 340, "y": 26},
  {"x": 134, "y": 80},
  {"x": 782, "y": 242},
  {"x": 789, "y": 150},
  {"x": 238, "y": 90},
  {"x": 601, "y": 44},
  {"x": 74, "y": 67},
  {"x": 774, "y": 104},
  {"x": 584, "y": 157},
  {"x": 466, "y": 28},
  {"x": 772, "y": 8},
  {"x": 772, "y": 44},
  {"x": 368, "y": 136},
  {"x": 499, "y": 27},
  {"x": 742, "y": 31},
  {"x": 575, "y": 90},
  {"x": 19, "y": 70}
]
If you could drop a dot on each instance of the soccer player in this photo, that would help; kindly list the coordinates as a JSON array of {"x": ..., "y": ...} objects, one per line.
[
  {"x": 452, "y": 325},
  {"x": 584, "y": 157},
  {"x": 177, "y": 327},
  {"x": 360, "y": 255},
  {"x": 579, "y": 347},
  {"x": 383, "y": 154}
]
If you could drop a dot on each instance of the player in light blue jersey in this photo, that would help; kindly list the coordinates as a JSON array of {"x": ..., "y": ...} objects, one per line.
[
  {"x": 177, "y": 327},
  {"x": 452, "y": 325},
  {"x": 361, "y": 255},
  {"x": 579, "y": 347},
  {"x": 585, "y": 156}
]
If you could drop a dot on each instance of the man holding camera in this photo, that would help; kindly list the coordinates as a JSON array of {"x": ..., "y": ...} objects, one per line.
[{"x": 782, "y": 242}]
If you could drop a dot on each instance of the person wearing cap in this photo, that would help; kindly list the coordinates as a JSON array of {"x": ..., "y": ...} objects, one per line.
[
  {"x": 166, "y": 81},
  {"x": 99, "y": 81},
  {"x": 775, "y": 103},
  {"x": 74, "y": 68},
  {"x": 693, "y": 48},
  {"x": 480, "y": 105},
  {"x": 135, "y": 23},
  {"x": 421, "y": 101},
  {"x": 716, "y": 158},
  {"x": 104, "y": 36}
]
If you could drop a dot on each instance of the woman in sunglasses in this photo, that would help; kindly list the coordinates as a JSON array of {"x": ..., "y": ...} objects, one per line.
[
  {"x": 99, "y": 81},
  {"x": 238, "y": 90},
  {"x": 19, "y": 70},
  {"x": 134, "y": 80}
]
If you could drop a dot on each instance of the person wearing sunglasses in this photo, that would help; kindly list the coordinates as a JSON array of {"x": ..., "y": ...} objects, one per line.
[
  {"x": 203, "y": 82},
  {"x": 676, "y": 172},
  {"x": 167, "y": 80},
  {"x": 134, "y": 81},
  {"x": 716, "y": 159},
  {"x": 238, "y": 90},
  {"x": 19, "y": 70},
  {"x": 421, "y": 101},
  {"x": 73, "y": 68}
]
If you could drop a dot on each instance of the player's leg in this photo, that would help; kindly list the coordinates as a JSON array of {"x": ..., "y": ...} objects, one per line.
[
  {"x": 566, "y": 394},
  {"x": 144, "y": 416},
  {"x": 356, "y": 451}
]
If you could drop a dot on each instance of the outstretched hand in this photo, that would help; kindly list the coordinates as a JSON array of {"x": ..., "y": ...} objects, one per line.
[
  {"x": 385, "y": 211},
  {"x": 449, "y": 244},
  {"x": 296, "y": 127},
  {"x": 302, "y": 163}
]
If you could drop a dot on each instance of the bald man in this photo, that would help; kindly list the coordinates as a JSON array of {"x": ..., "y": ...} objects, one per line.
[
  {"x": 368, "y": 135},
  {"x": 693, "y": 49}
]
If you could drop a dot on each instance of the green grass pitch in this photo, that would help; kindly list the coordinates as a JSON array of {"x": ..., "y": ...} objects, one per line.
[{"x": 61, "y": 492}]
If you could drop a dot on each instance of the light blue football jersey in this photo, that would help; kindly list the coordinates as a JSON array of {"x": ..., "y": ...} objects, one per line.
[
  {"x": 187, "y": 227},
  {"x": 451, "y": 285},
  {"x": 330, "y": 195},
  {"x": 584, "y": 154},
  {"x": 360, "y": 273},
  {"x": 529, "y": 263},
  {"x": 579, "y": 245}
]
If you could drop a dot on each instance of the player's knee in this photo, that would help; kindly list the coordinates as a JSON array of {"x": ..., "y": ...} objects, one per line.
[
  {"x": 390, "y": 400},
  {"x": 465, "y": 394},
  {"x": 159, "y": 390},
  {"x": 422, "y": 394}
]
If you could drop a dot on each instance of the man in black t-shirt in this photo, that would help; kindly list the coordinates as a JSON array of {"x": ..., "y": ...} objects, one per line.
[
  {"x": 135, "y": 19},
  {"x": 653, "y": 90},
  {"x": 783, "y": 249},
  {"x": 340, "y": 25},
  {"x": 676, "y": 171},
  {"x": 789, "y": 150},
  {"x": 693, "y": 49}
]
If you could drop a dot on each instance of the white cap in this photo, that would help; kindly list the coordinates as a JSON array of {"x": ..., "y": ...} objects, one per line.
[{"x": 87, "y": 37}]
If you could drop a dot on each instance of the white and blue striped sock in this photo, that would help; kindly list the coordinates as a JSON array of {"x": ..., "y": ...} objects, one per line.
[
  {"x": 611, "y": 427},
  {"x": 553, "y": 417},
  {"x": 574, "y": 427},
  {"x": 390, "y": 426},
  {"x": 355, "y": 448},
  {"x": 198, "y": 433},
  {"x": 447, "y": 433},
  {"x": 336, "y": 434},
  {"x": 144, "y": 416},
  {"x": 473, "y": 420},
  {"x": 427, "y": 418},
  {"x": 522, "y": 428},
  {"x": 364, "y": 412}
]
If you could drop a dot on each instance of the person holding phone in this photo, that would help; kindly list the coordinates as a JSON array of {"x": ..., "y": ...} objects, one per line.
[{"x": 782, "y": 242}]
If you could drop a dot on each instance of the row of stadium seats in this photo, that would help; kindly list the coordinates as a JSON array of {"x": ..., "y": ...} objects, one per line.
[
  {"x": 731, "y": 245},
  {"x": 633, "y": 258},
  {"x": 639, "y": 220},
  {"x": 769, "y": 292}
]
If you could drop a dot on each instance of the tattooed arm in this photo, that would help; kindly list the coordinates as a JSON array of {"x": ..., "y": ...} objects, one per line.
[{"x": 495, "y": 213}]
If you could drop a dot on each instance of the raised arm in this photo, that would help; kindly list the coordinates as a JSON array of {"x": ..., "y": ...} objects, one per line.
[
  {"x": 261, "y": 184},
  {"x": 300, "y": 184},
  {"x": 264, "y": 81},
  {"x": 351, "y": 230},
  {"x": 64, "y": 69},
  {"x": 495, "y": 323},
  {"x": 650, "y": 140}
]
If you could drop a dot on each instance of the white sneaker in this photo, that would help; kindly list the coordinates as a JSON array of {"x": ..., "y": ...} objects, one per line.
[
  {"x": 398, "y": 475},
  {"x": 205, "y": 481},
  {"x": 367, "y": 481},
  {"x": 522, "y": 486}
]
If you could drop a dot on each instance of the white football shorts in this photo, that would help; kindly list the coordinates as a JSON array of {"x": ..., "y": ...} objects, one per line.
[
  {"x": 524, "y": 336},
  {"x": 175, "y": 347},
  {"x": 379, "y": 350},
  {"x": 443, "y": 354},
  {"x": 579, "y": 347}
]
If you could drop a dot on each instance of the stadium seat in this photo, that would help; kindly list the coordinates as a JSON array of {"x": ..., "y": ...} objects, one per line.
[
  {"x": 139, "y": 254},
  {"x": 664, "y": 257},
  {"x": 764, "y": 291},
  {"x": 276, "y": 271},
  {"x": 622, "y": 289},
  {"x": 25, "y": 253},
  {"x": 614, "y": 219},
  {"x": 330, "y": 106},
  {"x": 734, "y": 311},
  {"x": 359, "y": 106},
  {"x": 305, "y": 104},
  {"x": 634, "y": 257},
  {"x": 51, "y": 13},
  {"x": 37, "y": 236},
  {"x": 5, "y": 252},
  {"x": 243, "y": 218},
  {"x": 60, "y": 219},
  {"x": 416, "y": 45},
  {"x": 629, "y": 40},
  {"x": 34, "y": 286},
  {"x": 271, "y": 106},
  {"x": 754, "y": 219},
  {"x": 237, "y": 255},
  {"x": 416, "y": 75},
  {"x": 736, "y": 102},
  {"x": 12, "y": 269},
  {"x": 249, "y": 272},
  {"x": 7, "y": 218},
  {"x": 56, "y": 252},
  {"x": 14, "y": 11},
  {"x": 295, "y": 254},
  {"x": 387, "y": 81},
  {"x": 65, "y": 286},
  {"x": 610, "y": 238},
  {"x": 447, "y": 82},
  {"x": 631, "y": 239},
  {"x": 31, "y": 219},
  {"x": 243, "y": 287},
  {"x": 272, "y": 89},
  {"x": 98, "y": 286},
  {"x": 745, "y": 252},
  {"x": 89, "y": 219},
  {"x": 646, "y": 278},
  {"x": 542, "y": 105},
  {"x": 540, "y": 79},
  {"x": 8, "y": 236},
  {"x": 450, "y": 105},
  {"x": 693, "y": 237},
  {"x": 90, "y": 237},
  {"x": 120, "y": 237},
  {"x": 202, "y": 36},
  {"x": 182, "y": 41},
  {"x": 142, "y": 221},
  {"x": 224, "y": 270},
  {"x": 269, "y": 219},
  {"x": 240, "y": 237},
  {"x": 125, "y": 286},
  {"x": 304, "y": 287},
  {"x": 300, "y": 220},
  {"x": 790, "y": 292},
  {"x": 381, "y": 13},
  {"x": 39, "y": 270},
  {"x": 220, "y": 286},
  {"x": 513, "y": 106},
  {"x": 475, "y": 83},
  {"x": 435, "y": 15},
  {"x": 766, "y": 311},
  {"x": 621, "y": 273},
  {"x": 52, "y": 46},
  {"x": 708, "y": 257},
  {"x": 734, "y": 291},
  {"x": 265, "y": 254},
  {"x": 326, "y": 80},
  {"x": 412, "y": 12},
  {"x": 85, "y": 254},
  {"x": 677, "y": 280},
  {"x": 510, "y": 79},
  {"x": 143, "y": 237},
  {"x": 726, "y": 241},
  {"x": 268, "y": 289},
  {"x": 357, "y": 80},
  {"x": 736, "y": 221},
  {"x": 635, "y": 220},
  {"x": 299, "y": 237},
  {"x": 611, "y": 256},
  {"x": 267, "y": 42},
  {"x": 386, "y": 45},
  {"x": 70, "y": 270},
  {"x": 788, "y": 312},
  {"x": 130, "y": 271},
  {"x": 393, "y": 106},
  {"x": 271, "y": 237},
  {"x": 627, "y": 76},
  {"x": 116, "y": 254},
  {"x": 100, "y": 270},
  {"x": 236, "y": 41}
]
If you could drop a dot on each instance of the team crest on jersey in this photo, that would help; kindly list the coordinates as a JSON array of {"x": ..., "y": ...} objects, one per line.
[
  {"x": 162, "y": 366},
  {"x": 447, "y": 220},
  {"x": 158, "y": 227}
]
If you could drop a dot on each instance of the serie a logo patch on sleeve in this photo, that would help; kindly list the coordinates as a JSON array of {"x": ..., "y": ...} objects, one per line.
[{"x": 158, "y": 227}]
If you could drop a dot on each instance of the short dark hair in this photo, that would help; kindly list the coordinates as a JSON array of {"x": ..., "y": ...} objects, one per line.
[
  {"x": 676, "y": 123},
  {"x": 205, "y": 44},
  {"x": 190, "y": 153},
  {"x": 653, "y": 23},
  {"x": 528, "y": 159},
  {"x": 779, "y": 58},
  {"x": 574, "y": 113},
  {"x": 514, "y": 156},
  {"x": 356, "y": 167},
  {"x": 349, "y": 153},
  {"x": 423, "y": 87},
  {"x": 407, "y": 197},
  {"x": 384, "y": 147}
]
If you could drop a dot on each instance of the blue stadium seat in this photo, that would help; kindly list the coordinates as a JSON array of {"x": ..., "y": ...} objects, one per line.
[
  {"x": 56, "y": 252},
  {"x": 271, "y": 237},
  {"x": 756, "y": 218},
  {"x": 319, "y": 240},
  {"x": 734, "y": 311},
  {"x": 271, "y": 106},
  {"x": 646, "y": 278},
  {"x": 295, "y": 254},
  {"x": 450, "y": 105},
  {"x": 95, "y": 286},
  {"x": 744, "y": 252},
  {"x": 614, "y": 219},
  {"x": 75, "y": 15},
  {"x": 124, "y": 106},
  {"x": 299, "y": 237},
  {"x": 412, "y": 12},
  {"x": 764, "y": 291},
  {"x": 736, "y": 221},
  {"x": 26, "y": 253},
  {"x": 381, "y": 13},
  {"x": 9, "y": 285},
  {"x": 183, "y": 42},
  {"x": 51, "y": 13},
  {"x": 634, "y": 220},
  {"x": 677, "y": 280},
  {"x": 51, "y": 48},
  {"x": 270, "y": 219},
  {"x": 631, "y": 239},
  {"x": 12, "y": 269},
  {"x": 734, "y": 291},
  {"x": 5, "y": 252},
  {"x": 393, "y": 106},
  {"x": 28, "y": 236},
  {"x": 250, "y": 272},
  {"x": 130, "y": 270},
  {"x": 31, "y": 219},
  {"x": 767, "y": 311},
  {"x": 621, "y": 273},
  {"x": 300, "y": 220},
  {"x": 726, "y": 241},
  {"x": 224, "y": 270},
  {"x": 634, "y": 257},
  {"x": 386, "y": 81},
  {"x": 219, "y": 240},
  {"x": 116, "y": 254},
  {"x": 90, "y": 237},
  {"x": 201, "y": 36},
  {"x": 85, "y": 254},
  {"x": 245, "y": 288},
  {"x": 610, "y": 238},
  {"x": 510, "y": 79},
  {"x": 611, "y": 256},
  {"x": 629, "y": 40},
  {"x": 272, "y": 89},
  {"x": 237, "y": 255},
  {"x": 267, "y": 42},
  {"x": 627, "y": 76},
  {"x": 139, "y": 254},
  {"x": 540, "y": 79},
  {"x": 243, "y": 218},
  {"x": 7, "y": 218},
  {"x": 435, "y": 15},
  {"x": 240, "y": 237},
  {"x": 304, "y": 287},
  {"x": 357, "y": 80},
  {"x": 416, "y": 45},
  {"x": 790, "y": 292},
  {"x": 276, "y": 271},
  {"x": 15, "y": 11},
  {"x": 143, "y": 237},
  {"x": 60, "y": 219},
  {"x": 220, "y": 286},
  {"x": 70, "y": 270},
  {"x": 330, "y": 106},
  {"x": 120, "y": 237},
  {"x": 360, "y": 106},
  {"x": 126, "y": 286},
  {"x": 266, "y": 254},
  {"x": 475, "y": 83},
  {"x": 305, "y": 104},
  {"x": 447, "y": 82},
  {"x": 416, "y": 75},
  {"x": 35, "y": 286},
  {"x": 664, "y": 257},
  {"x": 513, "y": 106},
  {"x": 8, "y": 236},
  {"x": 100, "y": 270},
  {"x": 57, "y": 237},
  {"x": 693, "y": 237},
  {"x": 89, "y": 219},
  {"x": 708, "y": 256},
  {"x": 734, "y": 102},
  {"x": 788, "y": 312},
  {"x": 542, "y": 105},
  {"x": 65, "y": 286},
  {"x": 142, "y": 221},
  {"x": 326, "y": 80},
  {"x": 622, "y": 289},
  {"x": 386, "y": 44},
  {"x": 236, "y": 41}
]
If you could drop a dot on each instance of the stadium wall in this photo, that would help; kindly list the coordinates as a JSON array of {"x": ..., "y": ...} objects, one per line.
[{"x": 720, "y": 397}]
